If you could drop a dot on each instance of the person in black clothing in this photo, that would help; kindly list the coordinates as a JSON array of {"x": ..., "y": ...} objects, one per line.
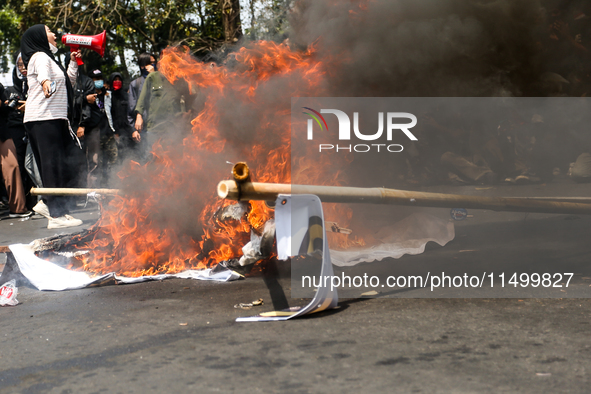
[
  {"x": 94, "y": 130},
  {"x": 84, "y": 93},
  {"x": 118, "y": 118}
]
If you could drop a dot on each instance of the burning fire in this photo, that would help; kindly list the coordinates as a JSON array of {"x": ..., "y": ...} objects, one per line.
[{"x": 166, "y": 222}]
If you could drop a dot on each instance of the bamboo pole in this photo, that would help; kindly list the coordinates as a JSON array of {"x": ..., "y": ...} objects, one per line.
[
  {"x": 269, "y": 192},
  {"x": 583, "y": 200},
  {"x": 241, "y": 172},
  {"x": 46, "y": 191}
]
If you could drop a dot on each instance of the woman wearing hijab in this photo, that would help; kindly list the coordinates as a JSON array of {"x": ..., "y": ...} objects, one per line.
[{"x": 46, "y": 118}]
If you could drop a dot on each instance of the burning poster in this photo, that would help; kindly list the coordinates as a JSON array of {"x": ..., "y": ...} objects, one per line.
[
  {"x": 300, "y": 230},
  {"x": 45, "y": 275}
]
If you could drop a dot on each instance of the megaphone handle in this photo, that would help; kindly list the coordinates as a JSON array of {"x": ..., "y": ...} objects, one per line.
[{"x": 74, "y": 48}]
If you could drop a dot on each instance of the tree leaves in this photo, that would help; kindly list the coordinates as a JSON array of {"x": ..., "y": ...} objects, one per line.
[{"x": 132, "y": 25}]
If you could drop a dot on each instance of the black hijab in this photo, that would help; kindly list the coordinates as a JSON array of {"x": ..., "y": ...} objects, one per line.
[
  {"x": 35, "y": 40},
  {"x": 20, "y": 84},
  {"x": 111, "y": 79},
  {"x": 119, "y": 106}
]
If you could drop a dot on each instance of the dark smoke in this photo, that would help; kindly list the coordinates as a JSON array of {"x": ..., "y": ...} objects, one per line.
[
  {"x": 426, "y": 47},
  {"x": 379, "y": 48}
]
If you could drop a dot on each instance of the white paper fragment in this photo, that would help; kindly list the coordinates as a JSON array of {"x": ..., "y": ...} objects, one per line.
[
  {"x": 45, "y": 275},
  {"x": 251, "y": 252}
]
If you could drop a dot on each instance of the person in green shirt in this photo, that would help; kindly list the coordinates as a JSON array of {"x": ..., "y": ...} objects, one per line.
[{"x": 165, "y": 106}]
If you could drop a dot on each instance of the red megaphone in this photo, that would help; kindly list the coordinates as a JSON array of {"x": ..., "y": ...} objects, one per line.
[{"x": 97, "y": 43}]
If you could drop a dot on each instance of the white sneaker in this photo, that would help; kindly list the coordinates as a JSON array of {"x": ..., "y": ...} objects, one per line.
[
  {"x": 42, "y": 209},
  {"x": 64, "y": 221}
]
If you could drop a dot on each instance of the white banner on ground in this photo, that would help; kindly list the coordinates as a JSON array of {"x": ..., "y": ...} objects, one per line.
[
  {"x": 45, "y": 275},
  {"x": 408, "y": 236}
]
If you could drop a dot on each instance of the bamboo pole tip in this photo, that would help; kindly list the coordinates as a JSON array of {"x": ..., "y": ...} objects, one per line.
[
  {"x": 222, "y": 189},
  {"x": 228, "y": 189},
  {"x": 241, "y": 172}
]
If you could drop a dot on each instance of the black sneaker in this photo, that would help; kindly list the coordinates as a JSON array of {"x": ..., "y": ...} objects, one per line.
[{"x": 21, "y": 215}]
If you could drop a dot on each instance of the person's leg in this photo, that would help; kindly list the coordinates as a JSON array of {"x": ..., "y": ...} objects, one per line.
[
  {"x": 20, "y": 142},
  {"x": 12, "y": 177},
  {"x": 32, "y": 167},
  {"x": 3, "y": 194},
  {"x": 47, "y": 142},
  {"x": 148, "y": 139},
  {"x": 93, "y": 149},
  {"x": 109, "y": 157},
  {"x": 464, "y": 168},
  {"x": 138, "y": 149}
]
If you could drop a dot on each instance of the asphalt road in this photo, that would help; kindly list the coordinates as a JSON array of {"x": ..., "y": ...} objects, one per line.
[{"x": 180, "y": 335}]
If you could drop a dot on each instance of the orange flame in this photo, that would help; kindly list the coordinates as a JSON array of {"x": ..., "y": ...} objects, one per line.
[{"x": 166, "y": 222}]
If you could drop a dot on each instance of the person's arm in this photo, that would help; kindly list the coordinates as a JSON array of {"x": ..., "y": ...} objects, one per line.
[
  {"x": 73, "y": 66},
  {"x": 2, "y": 99},
  {"x": 40, "y": 65},
  {"x": 126, "y": 119},
  {"x": 131, "y": 114},
  {"x": 133, "y": 93},
  {"x": 87, "y": 87},
  {"x": 132, "y": 100},
  {"x": 143, "y": 103}
]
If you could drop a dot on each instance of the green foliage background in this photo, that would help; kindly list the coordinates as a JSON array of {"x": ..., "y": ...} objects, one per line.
[{"x": 138, "y": 26}]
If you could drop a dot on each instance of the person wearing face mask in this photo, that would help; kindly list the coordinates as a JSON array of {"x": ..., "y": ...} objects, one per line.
[
  {"x": 147, "y": 64},
  {"x": 165, "y": 104},
  {"x": 49, "y": 105},
  {"x": 97, "y": 133},
  {"x": 118, "y": 117},
  {"x": 84, "y": 93}
]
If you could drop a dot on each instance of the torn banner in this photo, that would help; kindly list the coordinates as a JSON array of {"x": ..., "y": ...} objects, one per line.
[
  {"x": 300, "y": 228},
  {"x": 45, "y": 275},
  {"x": 408, "y": 236}
]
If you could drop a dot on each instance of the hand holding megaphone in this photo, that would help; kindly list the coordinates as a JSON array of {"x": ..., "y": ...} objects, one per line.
[
  {"x": 75, "y": 55},
  {"x": 97, "y": 43}
]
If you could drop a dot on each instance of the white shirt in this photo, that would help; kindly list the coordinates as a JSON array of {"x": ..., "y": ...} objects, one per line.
[{"x": 42, "y": 67}]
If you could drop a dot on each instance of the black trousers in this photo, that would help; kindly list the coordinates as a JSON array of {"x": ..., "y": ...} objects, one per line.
[{"x": 50, "y": 141}]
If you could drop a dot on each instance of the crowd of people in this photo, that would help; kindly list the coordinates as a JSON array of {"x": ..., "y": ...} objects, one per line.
[{"x": 60, "y": 127}]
